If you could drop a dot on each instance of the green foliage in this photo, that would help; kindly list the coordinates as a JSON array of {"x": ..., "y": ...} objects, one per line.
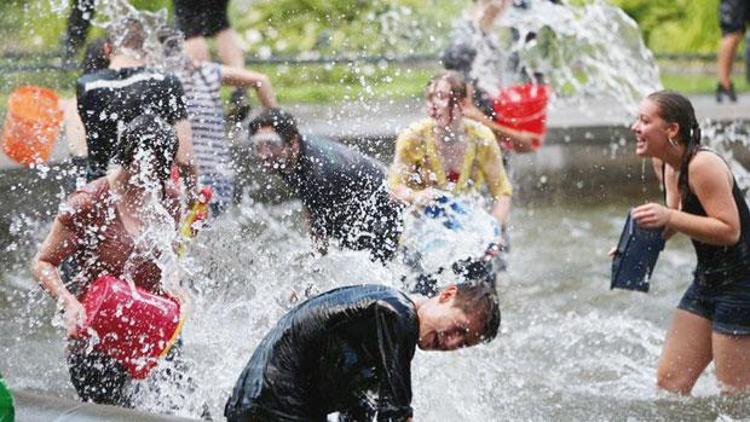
[
  {"x": 310, "y": 27},
  {"x": 290, "y": 27},
  {"x": 324, "y": 83},
  {"x": 676, "y": 26}
]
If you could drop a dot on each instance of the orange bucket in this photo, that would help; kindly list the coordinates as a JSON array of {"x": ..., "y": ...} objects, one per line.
[
  {"x": 135, "y": 327},
  {"x": 32, "y": 124},
  {"x": 524, "y": 107}
]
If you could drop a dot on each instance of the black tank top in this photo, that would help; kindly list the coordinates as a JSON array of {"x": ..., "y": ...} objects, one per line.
[{"x": 719, "y": 265}]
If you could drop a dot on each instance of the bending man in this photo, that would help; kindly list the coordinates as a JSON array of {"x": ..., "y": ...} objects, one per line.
[
  {"x": 334, "y": 351},
  {"x": 343, "y": 191}
]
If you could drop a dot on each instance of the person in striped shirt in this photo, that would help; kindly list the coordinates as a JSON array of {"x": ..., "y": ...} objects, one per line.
[{"x": 202, "y": 82}]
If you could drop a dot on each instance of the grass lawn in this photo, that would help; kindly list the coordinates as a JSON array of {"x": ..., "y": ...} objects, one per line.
[
  {"x": 700, "y": 83},
  {"x": 342, "y": 82}
]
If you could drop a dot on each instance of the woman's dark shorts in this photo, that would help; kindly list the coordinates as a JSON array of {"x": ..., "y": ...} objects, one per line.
[
  {"x": 728, "y": 306},
  {"x": 201, "y": 18},
  {"x": 733, "y": 16}
]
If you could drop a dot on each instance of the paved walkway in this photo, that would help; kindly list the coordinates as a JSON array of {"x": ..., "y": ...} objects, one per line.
[{"x": 383, "y": 119}]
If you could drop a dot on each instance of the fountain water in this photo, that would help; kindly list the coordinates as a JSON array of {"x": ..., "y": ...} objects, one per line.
[{"x": 569, "y": 349}]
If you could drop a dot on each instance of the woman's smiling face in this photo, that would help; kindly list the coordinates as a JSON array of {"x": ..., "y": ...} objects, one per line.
[{"x": 651, "y": 131}]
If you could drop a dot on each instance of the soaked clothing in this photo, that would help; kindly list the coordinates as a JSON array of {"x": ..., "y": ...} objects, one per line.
[
  {"x": 345, "y": 195},
  {"x": 100, "y": 379},
  {"x": 722, "y": 264},
  {"x": 97, "y": 377},
  {"x": 202, "y": 85},
  {"x": 417, "y": 149},
  {"x": 109, "y": 99},
  {"x": 103, "y": 245},
  {"x": 733, "y": 16},
  {"x": 720, "y": 290},
  {"x": 201, "y": 18},
  {"x": 726, "y": 306},
  {"x": 333, "y": 353}
]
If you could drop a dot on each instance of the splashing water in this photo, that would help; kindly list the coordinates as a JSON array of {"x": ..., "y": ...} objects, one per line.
[
  {"x": 583, "y": 52},
  {"x": 448, "y": 231},
  {"x": 569, "y": 349}
]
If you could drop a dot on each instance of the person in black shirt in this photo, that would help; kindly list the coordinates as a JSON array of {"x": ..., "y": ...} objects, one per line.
[
  {"x": 337, "y": 351},
  {"x": 703, "y": 201},
  {"x": 343, "y": 191},
  {"x": 109, "y": 99}
]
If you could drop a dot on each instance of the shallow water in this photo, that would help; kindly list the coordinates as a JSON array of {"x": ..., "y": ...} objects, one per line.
[{"x": 569, "y": 347}]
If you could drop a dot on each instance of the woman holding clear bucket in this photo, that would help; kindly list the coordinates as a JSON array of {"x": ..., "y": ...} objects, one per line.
[
  {"x": 703, "y": 201},
  {"x": 115, "y": 225}
]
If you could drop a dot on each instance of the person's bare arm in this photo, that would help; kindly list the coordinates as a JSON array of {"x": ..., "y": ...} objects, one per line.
[
  {"x": 501, "y": 210},
  {"x": 58, "y": 245},
  {"x": 236, "y": 76},
  {"x": 490, "y": 12},
  {"x": 497, "y": 182},
  {"x": 75, "y": 133},
  {"x": 711, "y": 182},
  {"x": 522, "y": 141},
  {"x": 410, "y": 196},
  {"x": 229, "y": 44},
  {"x": 185, "y": 159}
]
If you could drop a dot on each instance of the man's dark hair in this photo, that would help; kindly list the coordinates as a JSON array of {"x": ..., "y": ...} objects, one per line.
[
  {"x": 480, "y": 299},
  {"x": 154, "y": 136},
  {"x": 96, "y": 56},
  {"x": 281, "y": 121}
]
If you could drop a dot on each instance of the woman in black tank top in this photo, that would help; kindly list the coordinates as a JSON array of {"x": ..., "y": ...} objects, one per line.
[{"x": 703, "y": 201}]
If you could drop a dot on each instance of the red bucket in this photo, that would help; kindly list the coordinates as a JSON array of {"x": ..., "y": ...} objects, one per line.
[
  {"x": 524, "y": 107},
  {"x": 135, "y": 327}
]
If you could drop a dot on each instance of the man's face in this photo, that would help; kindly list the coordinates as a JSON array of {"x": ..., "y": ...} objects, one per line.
[
  {"x": 271, "y": 149},
  {"x": 444, "y": 326}
]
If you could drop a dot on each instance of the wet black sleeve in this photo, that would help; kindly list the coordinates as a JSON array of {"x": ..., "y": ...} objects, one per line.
[
  {"x": 174, "y": 108},
  {"x": 396, "y": 344}
]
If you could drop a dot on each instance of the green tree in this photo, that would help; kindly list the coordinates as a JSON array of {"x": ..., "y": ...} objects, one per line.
[{"x": 676, "y": 26}]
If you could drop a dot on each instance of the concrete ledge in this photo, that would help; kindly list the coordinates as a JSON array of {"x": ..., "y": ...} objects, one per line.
[{"x": 31, "y": 407}]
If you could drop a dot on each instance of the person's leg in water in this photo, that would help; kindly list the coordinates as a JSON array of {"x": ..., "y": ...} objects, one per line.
[
  {"x": 179, "y": 394},
  {"x": 731, "y": 336},
  {"x": 732, "y": 360},
  {"x": 686, "y": 353},
  {"x": 97, "y": 377}
]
